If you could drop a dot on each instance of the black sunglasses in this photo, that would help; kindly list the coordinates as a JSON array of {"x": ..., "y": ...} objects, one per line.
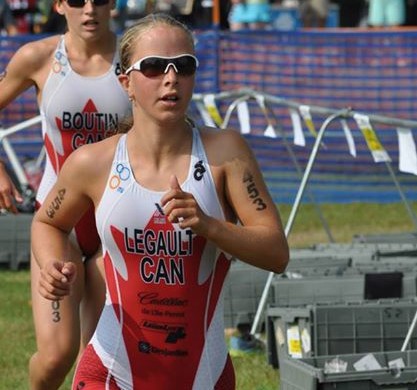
[
  {"x": 153, "y": 66},
  {"x": 82, "y": 3}
]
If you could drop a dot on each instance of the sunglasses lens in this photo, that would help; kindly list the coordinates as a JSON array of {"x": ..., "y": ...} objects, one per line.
[
  {"x": 186, "y": 65},
  {"x": 76, "y": 3},
  {"x": 81, "y": 3},
  {"x": 153, "y": 66}
]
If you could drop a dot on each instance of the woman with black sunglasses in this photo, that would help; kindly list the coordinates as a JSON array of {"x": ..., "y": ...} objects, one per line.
[
  {"x": 168, "y": 197},
  {"x": 80, "y": 99}
]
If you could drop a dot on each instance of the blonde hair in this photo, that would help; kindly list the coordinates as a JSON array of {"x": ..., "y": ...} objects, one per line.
[{"x": 133, "y": 33}]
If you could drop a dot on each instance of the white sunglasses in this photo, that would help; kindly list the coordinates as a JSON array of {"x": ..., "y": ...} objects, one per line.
[{"x": 153, "y": 66}]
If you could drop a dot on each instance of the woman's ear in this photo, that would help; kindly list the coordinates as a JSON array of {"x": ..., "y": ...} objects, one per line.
[
  {"x": 58, "y": 7},
  {"x": 124, "y": 80}
]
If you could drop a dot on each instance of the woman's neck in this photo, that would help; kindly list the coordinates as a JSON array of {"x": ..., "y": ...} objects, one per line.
[{"x": 160, "y": 142}]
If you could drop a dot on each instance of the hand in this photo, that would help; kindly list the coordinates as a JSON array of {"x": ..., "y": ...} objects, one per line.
[
  {"x": 56, "y": 280},
  {"x": 8, "y": 192},
  {"x": 182, "y": 208}
]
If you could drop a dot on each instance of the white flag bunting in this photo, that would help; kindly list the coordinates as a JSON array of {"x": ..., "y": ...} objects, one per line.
[{"x": 407, "y": 151}]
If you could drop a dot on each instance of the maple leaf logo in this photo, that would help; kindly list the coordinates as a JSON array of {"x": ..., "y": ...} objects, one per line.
[{"x": 75, "y": 130}]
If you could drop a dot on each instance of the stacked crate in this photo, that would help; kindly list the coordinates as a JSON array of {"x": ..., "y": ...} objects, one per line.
[
  {"x": 15, "y": 240},
  {"x": 345, "y": 346},
  {"x": 345, "y": 329}
]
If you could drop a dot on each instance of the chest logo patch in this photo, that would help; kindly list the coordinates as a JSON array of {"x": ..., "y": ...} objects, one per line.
[{"x": 199, "y": 170}]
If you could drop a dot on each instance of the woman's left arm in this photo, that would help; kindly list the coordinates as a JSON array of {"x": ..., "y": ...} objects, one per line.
[{"x": 259, "y": 239}]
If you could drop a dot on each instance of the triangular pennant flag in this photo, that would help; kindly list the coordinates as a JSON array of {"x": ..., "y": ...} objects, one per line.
[
  {"x": 270, "y": 132},
  {"x": 207, "y": 119},
  {"x": 349, "y": 137},
  {"x": 378, "y": 152},
  {"x": 243, "y": 116},
  {"x": 297, "y": 128},
  {"x": 210, "y": 103},
  {"x": 308, "y": 120},
  {"x": 407, "y": 151}
]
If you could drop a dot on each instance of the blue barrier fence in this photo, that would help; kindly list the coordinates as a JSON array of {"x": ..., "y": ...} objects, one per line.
[{"x": 371, "y": 71}]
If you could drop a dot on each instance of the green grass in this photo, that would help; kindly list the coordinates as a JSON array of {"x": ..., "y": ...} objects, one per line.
[
  {"x": 16, "y": 329},
  {"x": 346, "y": 220},
  {"x": 253, "y": 373}
]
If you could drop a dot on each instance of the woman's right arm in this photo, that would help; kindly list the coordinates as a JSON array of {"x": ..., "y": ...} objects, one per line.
[
  {"x": 64, "y": 206},
  {"x": 21, "y": 73}
]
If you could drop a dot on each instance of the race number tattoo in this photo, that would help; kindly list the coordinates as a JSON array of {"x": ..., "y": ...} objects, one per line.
[
  {"x": 55, "y": 204},
  {"x": 56, "y": 313},
  {"x": 253, "y": 191},
  {"x": 3, "y": 74}
]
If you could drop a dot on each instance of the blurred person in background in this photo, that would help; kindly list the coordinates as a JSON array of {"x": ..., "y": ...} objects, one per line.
[
  {"x": 80, "y": 99},
  {"x": 411, "y": 13},
  {"x": 352, "y": 13},
  {"x": 50, "y": 21},
  {"x": 314, "y": 13},
  {"x": 386, "y": 13},
  {"x": 7, "y": 21},
  {"x": 119, "y": 16},
  {"x": 24, "y": 13},
  {"x": 237, "y": 17},
  {"x": 249, "y": 14}
]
